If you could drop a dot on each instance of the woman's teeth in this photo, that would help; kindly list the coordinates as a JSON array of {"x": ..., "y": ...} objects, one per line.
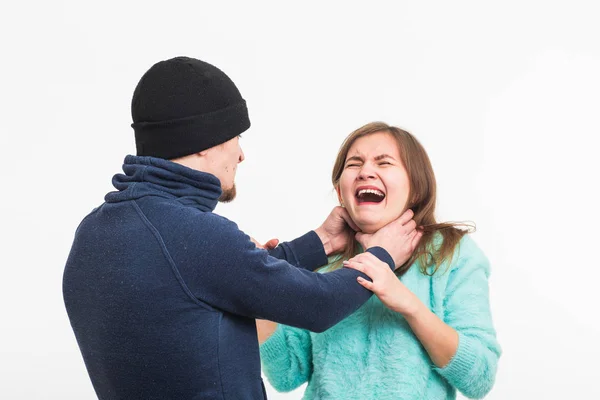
[
  {"x": 372, "y": 191},
  {"x": 370, "y": 196}
]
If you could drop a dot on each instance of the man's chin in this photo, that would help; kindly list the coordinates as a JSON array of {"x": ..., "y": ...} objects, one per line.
[{"x": 228, "y": 195}]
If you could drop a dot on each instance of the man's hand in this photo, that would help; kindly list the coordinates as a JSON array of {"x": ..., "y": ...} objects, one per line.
[
  {"x": 400, "y": 238},
  {"x": 337, "y": 230},
  {"x": 270, "y": 245}
]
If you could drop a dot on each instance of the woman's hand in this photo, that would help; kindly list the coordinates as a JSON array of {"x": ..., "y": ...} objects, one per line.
[
  {"x": 438, "y": 338},
  {"x": 385, "y": 284}
]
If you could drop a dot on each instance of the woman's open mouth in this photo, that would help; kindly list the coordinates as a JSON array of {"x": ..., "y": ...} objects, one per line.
[{"x": 365, "y": 196}]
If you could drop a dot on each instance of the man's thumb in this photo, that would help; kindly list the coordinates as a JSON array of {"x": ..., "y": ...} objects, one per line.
[
  {"x": 359, "y": 236},
  {"x": 271, "y": 244}
]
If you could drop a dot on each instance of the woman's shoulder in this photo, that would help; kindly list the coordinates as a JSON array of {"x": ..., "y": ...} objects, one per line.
[
  {"x": 469, "y": 254},
  {"x": 466, "y": 253},
  {"x": 333, "y": 262}
]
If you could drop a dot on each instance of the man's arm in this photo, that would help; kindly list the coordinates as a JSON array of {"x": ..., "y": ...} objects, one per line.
[
  {"x": 228, "y": 272},
  {"x": 306, "y": 252}
]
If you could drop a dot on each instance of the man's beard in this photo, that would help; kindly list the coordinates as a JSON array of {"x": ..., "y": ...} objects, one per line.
[{"x": 228, "y": 194}]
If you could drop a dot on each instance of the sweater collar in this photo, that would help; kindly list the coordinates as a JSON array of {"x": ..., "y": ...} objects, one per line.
[{"x": 150, "y": 176}]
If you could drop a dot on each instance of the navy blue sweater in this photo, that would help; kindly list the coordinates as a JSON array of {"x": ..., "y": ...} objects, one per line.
[{"x": 162, "y": 293}]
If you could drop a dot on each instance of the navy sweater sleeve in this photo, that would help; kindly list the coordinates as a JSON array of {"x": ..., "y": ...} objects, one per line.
[
  {"x": 304, "y": 252},
  {"x": 228, "y": 272}
]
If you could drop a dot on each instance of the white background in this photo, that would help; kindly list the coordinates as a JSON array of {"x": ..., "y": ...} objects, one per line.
[{"x": 505, "y": 96}]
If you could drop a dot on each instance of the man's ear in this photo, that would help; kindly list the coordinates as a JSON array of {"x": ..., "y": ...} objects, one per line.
[{"x": 202, "y": 153}]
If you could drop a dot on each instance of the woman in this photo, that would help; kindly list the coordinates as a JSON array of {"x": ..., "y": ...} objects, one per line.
[{"x": 429, "y": 331}]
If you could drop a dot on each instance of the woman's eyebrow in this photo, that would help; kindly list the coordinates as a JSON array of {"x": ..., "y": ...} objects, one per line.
[
  {"x": 382, "y": 156},
  {"x": 354, "y": 158}
]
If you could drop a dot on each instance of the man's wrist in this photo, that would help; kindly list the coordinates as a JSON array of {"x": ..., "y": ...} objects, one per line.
[
  {"x": 383, "y": 255},
  {"x": 325, "y": 240}
]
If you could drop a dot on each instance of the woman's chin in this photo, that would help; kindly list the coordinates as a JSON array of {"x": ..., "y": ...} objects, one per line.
[{"x": 370, "y": 227}]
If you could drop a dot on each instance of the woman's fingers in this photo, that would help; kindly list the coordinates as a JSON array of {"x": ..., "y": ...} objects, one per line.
[
  {"x": 361, "y": 258},
  {"x": 355, "y": 264},
  {"x": 365, "y": 268},
  {"x": 365, "y": 283},
  {"x": 368, "y": 268},
  {"x": 365, "y": 258}
]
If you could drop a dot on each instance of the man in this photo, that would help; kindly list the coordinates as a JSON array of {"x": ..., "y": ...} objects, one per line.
[{"x": 162, "y": 293}]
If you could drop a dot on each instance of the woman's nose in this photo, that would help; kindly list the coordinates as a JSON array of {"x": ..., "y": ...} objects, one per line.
[{"x": 366, "y": 172}]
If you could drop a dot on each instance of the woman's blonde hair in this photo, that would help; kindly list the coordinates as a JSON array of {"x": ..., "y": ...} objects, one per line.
[{"x": 421, "y": 199}]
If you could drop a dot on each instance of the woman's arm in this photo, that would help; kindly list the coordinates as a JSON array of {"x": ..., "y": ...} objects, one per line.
[
  {"x": 463, "y": 345},
  {"x": 286, "y": 358},
  {"x": 439, "y": 339},
  {"x": 265, "y": 329},
  {"x": 472, "y": 370}
]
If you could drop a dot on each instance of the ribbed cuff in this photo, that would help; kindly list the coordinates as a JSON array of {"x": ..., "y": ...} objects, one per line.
[
  {"x": 309, "y": 251},
  {"x": 274, "y": 346},
  {"x": 383, "y": 255},
  {"x": 460, "y": 366}
]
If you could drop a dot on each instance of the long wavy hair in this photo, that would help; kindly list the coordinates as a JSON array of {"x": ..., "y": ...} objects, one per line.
[{"x": 421, "y": 199}]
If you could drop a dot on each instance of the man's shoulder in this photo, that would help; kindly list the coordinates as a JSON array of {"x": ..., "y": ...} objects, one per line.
[
  {"x": 175, "y": 212},
  {"x": 216, "y": 221},
  {"x": 206, "y": 224}
]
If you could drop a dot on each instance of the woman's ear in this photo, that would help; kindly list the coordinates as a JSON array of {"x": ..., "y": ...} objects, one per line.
[{"x": 337, "y": 190}]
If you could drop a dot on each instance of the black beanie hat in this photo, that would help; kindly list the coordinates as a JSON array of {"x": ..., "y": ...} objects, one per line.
[{"x": 182, "y": 106}]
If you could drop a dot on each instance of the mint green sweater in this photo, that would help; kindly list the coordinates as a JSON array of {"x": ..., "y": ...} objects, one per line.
[{"x": 373, "y": 354}]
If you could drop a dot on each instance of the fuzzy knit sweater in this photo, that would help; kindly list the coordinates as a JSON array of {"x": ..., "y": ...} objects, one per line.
[{"x": 373, "y": 354}]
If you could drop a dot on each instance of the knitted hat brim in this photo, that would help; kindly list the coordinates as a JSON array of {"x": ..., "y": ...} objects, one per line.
[{"x": 184, "y": 136}]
